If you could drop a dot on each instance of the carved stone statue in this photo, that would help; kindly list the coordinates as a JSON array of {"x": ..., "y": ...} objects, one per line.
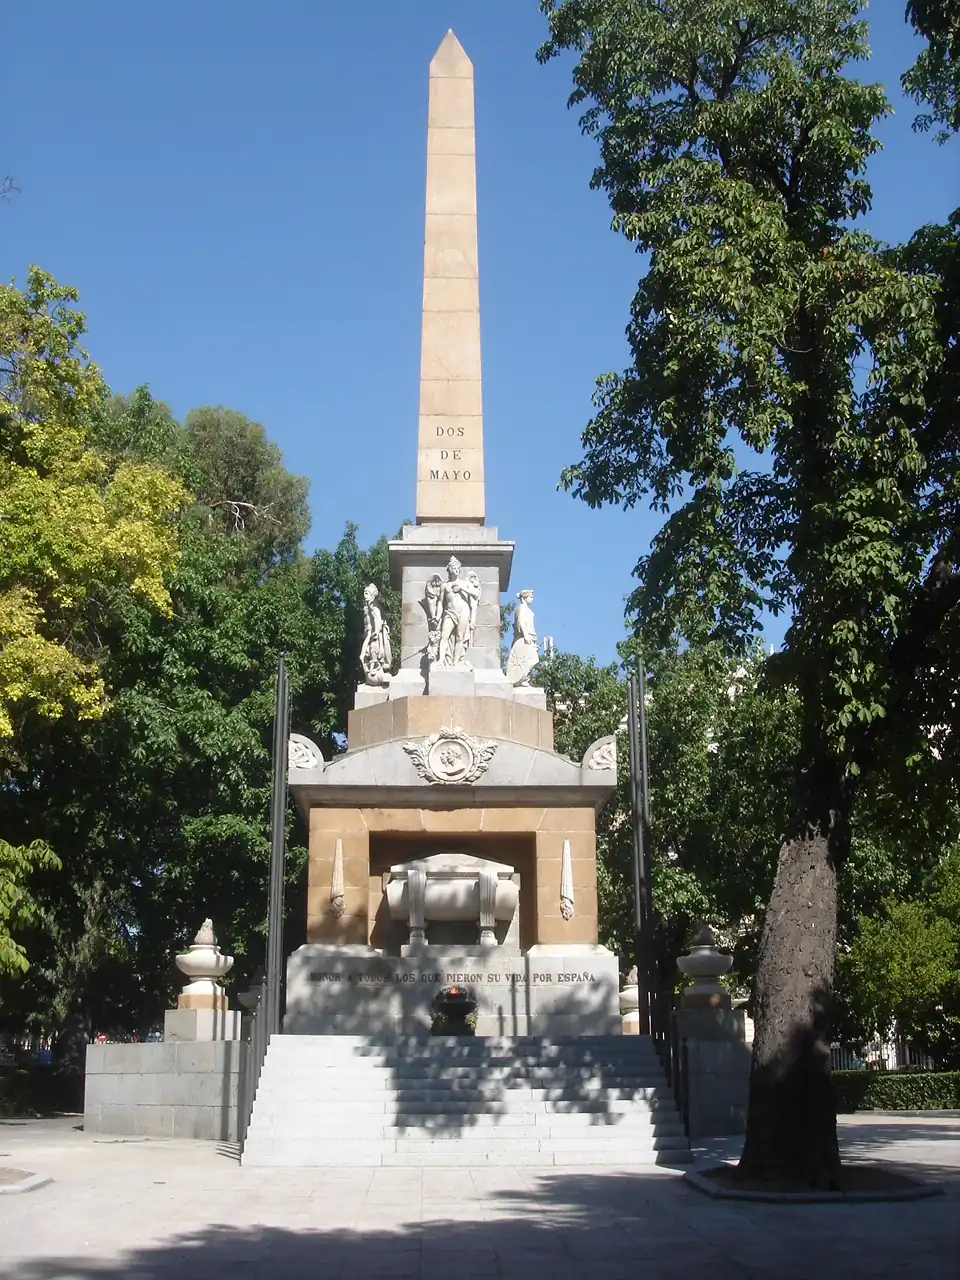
[
  {"x": 376, "y": 656},
  {"x": 451, "y": 609},
  {"x": 524, "y": 655}
]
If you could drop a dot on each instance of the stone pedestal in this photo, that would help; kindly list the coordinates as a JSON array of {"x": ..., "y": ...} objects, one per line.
[
  {"x": 551, "y": 991},
  {"x": 711, "y": 1037},
  {"x": 717, "y": 1070},
  {"x": 185, "y": 1026},
  {"x": 425, "y": 550},
  {"x": 630, "y": 1010}
]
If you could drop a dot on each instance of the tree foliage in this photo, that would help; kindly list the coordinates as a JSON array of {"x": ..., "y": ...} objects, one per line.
[
  {"x": 74, "y": 530},
  {"x": 903, "y": 967},
  {"x": 776, "y": 410},
  {"x": 179, "y": 831},
  {"x": 18, "y": 907},
  {"x": 934, "y": 79}
]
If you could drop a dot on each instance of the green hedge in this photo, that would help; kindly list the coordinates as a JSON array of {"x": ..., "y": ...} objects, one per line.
[{"x": 896, "y": 1091}]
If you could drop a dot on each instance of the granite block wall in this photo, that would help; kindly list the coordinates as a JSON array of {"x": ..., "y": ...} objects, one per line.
[{"x": 164, "y": 1090}]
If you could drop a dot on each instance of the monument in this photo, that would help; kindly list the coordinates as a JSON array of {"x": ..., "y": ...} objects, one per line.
[{"x": 451, "y": 844}]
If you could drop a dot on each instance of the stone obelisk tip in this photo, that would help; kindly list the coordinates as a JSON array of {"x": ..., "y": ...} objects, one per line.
[
  {"x": 450, "y": 59},
  {"x": 450, "y": 456}
]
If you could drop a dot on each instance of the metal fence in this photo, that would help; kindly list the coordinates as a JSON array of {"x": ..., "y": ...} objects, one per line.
[
  {"x": 893, "y": 1054},
  {"x": 253, "y": 1050}
]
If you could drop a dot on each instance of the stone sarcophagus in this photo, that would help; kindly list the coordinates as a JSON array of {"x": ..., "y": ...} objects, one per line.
[{"x": 454, "y": 888}]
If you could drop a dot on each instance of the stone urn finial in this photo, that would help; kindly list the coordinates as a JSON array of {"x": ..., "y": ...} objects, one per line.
[
  {"x": 704, "y": 963},
  {"x": 203, "y": 963},
  {"x": 630, "y": 1004},
  {"x": 205, "y": 935}
]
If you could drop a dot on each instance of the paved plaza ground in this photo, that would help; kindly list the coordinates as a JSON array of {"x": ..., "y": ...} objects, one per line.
[{"x": 186, "y": 1210}]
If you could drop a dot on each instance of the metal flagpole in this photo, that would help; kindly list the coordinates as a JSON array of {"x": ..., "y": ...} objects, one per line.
[
  {"x": 278, "y": 814},
  {"x": 641, "y": 894},
  {"x": 653, "y": 982}
]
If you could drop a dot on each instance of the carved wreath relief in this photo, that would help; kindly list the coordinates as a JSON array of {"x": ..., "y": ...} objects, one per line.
[
  {"x": 302, "y": 753},
  {"x": 603, "y": 755},
  {"x": 450, "y": 756}
]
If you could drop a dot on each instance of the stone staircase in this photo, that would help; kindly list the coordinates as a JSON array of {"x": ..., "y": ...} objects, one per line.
[{"x": 351, "y": 1100}]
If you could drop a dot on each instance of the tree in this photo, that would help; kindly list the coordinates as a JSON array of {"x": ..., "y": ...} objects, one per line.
[
  {"x": 733, "y": 143},
  {"x": 75, "y": 533},
  {"x": 18, "y": 907},
  {"x": 934, "y": 78},
  {"x": 903, "y": 967},
  {"x": 72, "y": 530},
  {"x": 181, "y": 832},
  {"x": 719, "y": 792}
]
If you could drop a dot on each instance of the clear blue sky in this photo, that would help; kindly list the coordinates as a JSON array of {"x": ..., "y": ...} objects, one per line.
[{"x": 236, "y": 188}]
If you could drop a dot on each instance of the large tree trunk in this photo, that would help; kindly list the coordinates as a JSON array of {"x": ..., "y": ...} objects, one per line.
[{"x": 791, "y": 1121}]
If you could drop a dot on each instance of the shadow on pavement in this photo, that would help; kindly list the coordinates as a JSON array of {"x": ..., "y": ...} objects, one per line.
[{"x": 605, "y": 1226}]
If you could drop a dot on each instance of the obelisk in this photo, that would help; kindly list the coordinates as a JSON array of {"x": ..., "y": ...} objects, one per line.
[
  {"x": 451, "y": 536},
  {"x": 450, "y": 454}
]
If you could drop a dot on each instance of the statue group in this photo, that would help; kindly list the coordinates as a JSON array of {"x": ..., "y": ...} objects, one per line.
[{"x": 451, "y": 609}]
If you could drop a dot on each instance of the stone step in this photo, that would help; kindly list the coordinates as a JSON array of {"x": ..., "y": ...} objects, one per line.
[
  {"x": 655, "y": 1111},
  {"x": 500, "y": 1128},
  {"x": 565, "y": 1143},
  {"x": 479, "y": 1049},
  {"x": 476, "y": 1080},
  {"x": 561, "y": 1092},
  {"x": 359, "y": 1154},
  {"x": 515, "y": 1101},
  {"x": 497, "y": 1066},
  {"x": 321, "y": 1118},
  {"x": 329, "y": 1101},
  {"x": 538, "y": 1159},
  {"x": 299, "y": 1047},
  {"x": 434, "y": 1106}
]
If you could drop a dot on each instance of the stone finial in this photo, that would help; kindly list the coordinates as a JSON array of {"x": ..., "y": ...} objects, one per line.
[
  {"x": 205, "y": 935},
  {"x": 704, "y": 963},
  {"x": 630, "y": 1005},
  {"x": 203, "y": 963}
]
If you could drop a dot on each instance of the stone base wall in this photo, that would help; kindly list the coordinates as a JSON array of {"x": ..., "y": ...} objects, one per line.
[
  {"x": 551, "y": 991},
  {"x": 717, "y": 1071},
  {"x": 163, "y": 1090}
]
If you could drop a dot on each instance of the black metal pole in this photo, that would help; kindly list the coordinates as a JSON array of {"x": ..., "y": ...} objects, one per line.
[
  {"x": 278, "y": 814},
  {"x": 653, "y": 980},
  {"x": 640, "y": 889}
]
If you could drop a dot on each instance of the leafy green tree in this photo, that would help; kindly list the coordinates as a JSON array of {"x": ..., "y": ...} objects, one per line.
[
  {"x": 719, "y": 793},
  {"x": 903, "y": 967},
  {"x": 77, "y": 531},
  {"x": 73, "y": 530},
  {"x": 160, "y": 808},
  {"x": 18, "y": 907},
  {"x": 934, "y": 79},
  {"x": 774, "y": 410}
]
